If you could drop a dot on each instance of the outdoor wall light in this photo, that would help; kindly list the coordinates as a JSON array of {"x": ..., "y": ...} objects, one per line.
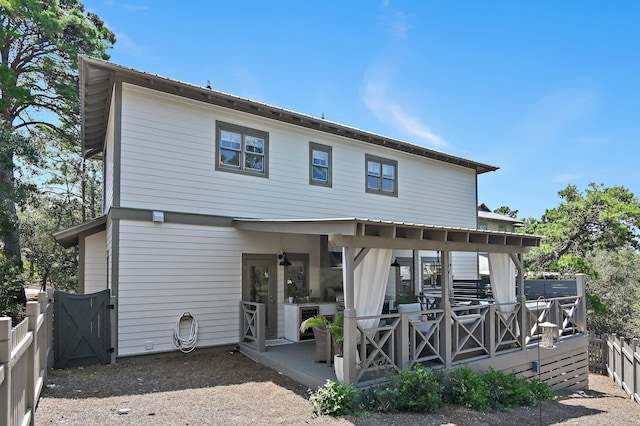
[
  {"x": 285, "y": 259},
  {"x": 395, "y": 263}
]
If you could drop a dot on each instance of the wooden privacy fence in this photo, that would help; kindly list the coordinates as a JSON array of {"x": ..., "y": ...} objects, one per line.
[
  {"x": 619, "y": 359},
  {"x": 25, "y": 355}
]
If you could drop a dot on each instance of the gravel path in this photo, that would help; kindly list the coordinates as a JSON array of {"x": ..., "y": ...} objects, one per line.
[{"x": 224, "y": 387}]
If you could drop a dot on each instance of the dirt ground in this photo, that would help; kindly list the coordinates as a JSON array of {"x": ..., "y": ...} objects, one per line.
[{"x": 225, "y": 387}]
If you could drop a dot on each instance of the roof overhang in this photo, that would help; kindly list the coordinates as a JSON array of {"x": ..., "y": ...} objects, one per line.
[
  {"x": 97, "y": 78},
  {"x": 71, "y": 236},
  {"x": 370, "y": 233}
]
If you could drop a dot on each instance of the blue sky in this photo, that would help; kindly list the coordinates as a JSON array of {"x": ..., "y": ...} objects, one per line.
[{"x": 548, "y": 91}]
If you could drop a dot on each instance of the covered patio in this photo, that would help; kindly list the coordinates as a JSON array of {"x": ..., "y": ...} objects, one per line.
[{"x": 502, "y": 333}]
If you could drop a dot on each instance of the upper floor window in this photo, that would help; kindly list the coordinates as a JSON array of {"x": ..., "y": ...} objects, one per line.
[
  {"x": 382, "y": 175},
  {"x": 502, "y": 228},
  {"x": 319, "y": 164},
  {"x": 483, "y": 226},
  {"x": 241, "y": 149}
]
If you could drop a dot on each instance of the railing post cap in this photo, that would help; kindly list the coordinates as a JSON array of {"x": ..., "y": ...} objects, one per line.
[
  {"x": 33, "y": 309},
  {"x": 5, "y": 328}
]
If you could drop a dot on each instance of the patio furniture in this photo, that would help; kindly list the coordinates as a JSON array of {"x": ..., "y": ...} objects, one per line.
[
  {"x": 413, "y": 310},
  {"x": 324, "y": 352}
]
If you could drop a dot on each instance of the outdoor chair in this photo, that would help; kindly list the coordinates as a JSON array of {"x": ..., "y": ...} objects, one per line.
[{"x": 414, "y": 316}]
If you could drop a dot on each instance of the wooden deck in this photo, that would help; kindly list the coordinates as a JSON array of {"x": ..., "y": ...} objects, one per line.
[
  {"x": 484, "y": 336},
  {"x": 294, "y": 360}
]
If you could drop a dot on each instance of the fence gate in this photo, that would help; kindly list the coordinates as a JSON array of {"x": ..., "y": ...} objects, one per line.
[{"x": 82, "y": 331}]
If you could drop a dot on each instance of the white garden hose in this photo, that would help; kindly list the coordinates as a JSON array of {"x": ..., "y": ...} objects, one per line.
[{"x": 188, "y": 344}]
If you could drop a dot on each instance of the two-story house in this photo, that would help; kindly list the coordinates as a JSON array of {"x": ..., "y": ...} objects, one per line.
[{"x": 211, "y": 199}]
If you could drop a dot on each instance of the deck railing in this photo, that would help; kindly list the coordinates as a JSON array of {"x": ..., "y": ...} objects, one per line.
[
  {"x": 25, "y": 354},
  {"x": 252, "y": 325},
  {"x": 463, "y": 334}
]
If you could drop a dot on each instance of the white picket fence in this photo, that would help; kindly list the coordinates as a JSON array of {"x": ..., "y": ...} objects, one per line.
[{"x": 25, "y": 354}]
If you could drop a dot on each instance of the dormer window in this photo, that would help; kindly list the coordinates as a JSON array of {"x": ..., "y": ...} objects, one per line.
[{"x": 241, "y": 149}]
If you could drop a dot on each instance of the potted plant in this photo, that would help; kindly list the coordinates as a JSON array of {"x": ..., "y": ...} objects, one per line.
[{"x": 336, "y": 328}]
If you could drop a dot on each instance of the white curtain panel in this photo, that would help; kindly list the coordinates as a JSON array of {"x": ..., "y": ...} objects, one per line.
[
  {"x": 503, "y": 283},
  {"x": 370, "y": 283}
]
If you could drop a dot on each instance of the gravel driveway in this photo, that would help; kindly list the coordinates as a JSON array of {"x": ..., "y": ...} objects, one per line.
[{"x": 225, "y": 387}]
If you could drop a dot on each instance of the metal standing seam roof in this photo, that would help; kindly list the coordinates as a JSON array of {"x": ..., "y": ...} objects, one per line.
[
  {"x": 362, "y": 232},
  {"x": 97, "y": 79}
]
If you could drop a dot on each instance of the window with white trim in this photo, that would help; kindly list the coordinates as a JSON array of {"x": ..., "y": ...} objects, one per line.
[
  {"x": 241, "y": 149},
  {"x": 382, "y": 175},
  {"x": 319, "y": 164}
]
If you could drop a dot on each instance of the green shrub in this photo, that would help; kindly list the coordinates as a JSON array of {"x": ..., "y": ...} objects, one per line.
[
  {"x": 507, "y": 391},
  {"x": 422, "y": 390},
  {"x": 541, "y": 391},
  {"x": 380, "y": 398},
  {"x": 418, "y": 390},
  {"x": 11, "y": 291},
  {"x": 466, "y": 388},
  {"x": 333, "y": 399}
]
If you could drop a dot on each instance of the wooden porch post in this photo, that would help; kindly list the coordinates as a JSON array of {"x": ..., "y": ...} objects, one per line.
[
  {"x": 417, "y": 272},
  {"x": 582, "y": 308},
  {"x": 349, "y": 343},
  {"x": 446, "y": 335},
  {"x": 522, "y": 298}
]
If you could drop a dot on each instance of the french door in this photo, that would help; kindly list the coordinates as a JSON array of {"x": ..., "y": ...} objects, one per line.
[{"x": 259, "y": 285}]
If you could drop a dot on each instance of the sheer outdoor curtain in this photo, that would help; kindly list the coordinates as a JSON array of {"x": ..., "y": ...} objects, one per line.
[
  {"x": 503, "y": 283},
  {"x": 370, "y": 283}
]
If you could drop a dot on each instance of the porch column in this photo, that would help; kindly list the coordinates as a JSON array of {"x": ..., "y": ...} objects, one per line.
[
  {"x": 349, "y": 344},
  {"x": 446, "y": 336},
  {"x": 582, "y": 307},
  {"x": 525, "y": 329},
  {"x": 417, "y": 272}
]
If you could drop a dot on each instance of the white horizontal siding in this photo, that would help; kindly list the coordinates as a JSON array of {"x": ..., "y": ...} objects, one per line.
[
  {"x": 168, "y": 269},
  {"x": 168, "y": 155},
  {"x": 95, "y": 263},
  {"x": 464, "y": 266}
]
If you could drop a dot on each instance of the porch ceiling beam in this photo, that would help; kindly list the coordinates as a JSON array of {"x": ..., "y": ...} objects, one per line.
[
  {"x": 411, "y": 244},
  {"x": 293, "y": 227}
]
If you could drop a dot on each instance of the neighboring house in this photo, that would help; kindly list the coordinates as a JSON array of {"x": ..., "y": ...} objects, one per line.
[
  {"x": 488, "y": 220},
  {"x": 211, "y": 199}
]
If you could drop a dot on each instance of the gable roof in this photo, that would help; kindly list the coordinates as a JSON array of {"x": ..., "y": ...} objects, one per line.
[{"x": 97, "y": 79}]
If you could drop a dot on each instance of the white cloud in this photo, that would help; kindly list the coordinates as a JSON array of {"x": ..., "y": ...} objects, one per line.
[
  {"x": 135, "y": 7},
  {"x": 127, "y": 45},
  {"x": 397, "y": 24},
  {"x": 391, "y": 113}
]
